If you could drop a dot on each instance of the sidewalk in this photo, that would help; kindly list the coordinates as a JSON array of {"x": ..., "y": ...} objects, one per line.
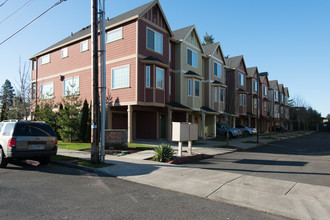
[{"x": 284, "y": 198}]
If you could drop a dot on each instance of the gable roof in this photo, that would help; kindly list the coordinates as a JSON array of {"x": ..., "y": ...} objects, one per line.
[
  {"x": 251, "y": 71},
  {"x": 109, "y": 23},
  {"x": 263, "y": 78},
  {"x": 182, "y": 33},
  {"x": 273, "y": 84},
  {"x": 234, "y": 62},
  {"x": 281, "y": 87},
  {"x": 209, "y": 49}
]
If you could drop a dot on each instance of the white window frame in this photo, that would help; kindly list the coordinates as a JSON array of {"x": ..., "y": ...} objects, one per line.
[
  {"x": 160, "y": 78},
  {"x": 46, "y": 96},
  {"x": 84, "y": 46},
  {"x": 156, "y": 33},
  {"x": 148, "y": 76},
  {"x": 66, "y": 80},
  {"x": 199, "y": 88},
  {"x": 64, "y": 52},
  {"x": 241, "y": 79},
  {"x": 113, "y": 35},
  {"x": 193, "y": 64},
  {"x": 217, "y": 71},
  {"x": 189, "y": 87},
  {"x": 45, "y": 59},
  {"x": 114, "y": 78}
]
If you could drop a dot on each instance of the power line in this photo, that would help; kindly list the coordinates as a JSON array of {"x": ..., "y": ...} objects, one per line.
[
  {"x": 3, "y": 3},
  {"x": 16, "y": 11},
  {"x": 57, "y": 3}
]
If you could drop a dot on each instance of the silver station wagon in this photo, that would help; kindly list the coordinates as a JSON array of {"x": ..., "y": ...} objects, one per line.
[{"x": 26, "y": 140}]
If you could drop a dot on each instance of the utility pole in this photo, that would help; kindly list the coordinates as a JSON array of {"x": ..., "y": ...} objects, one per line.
[{"x": 95, "y": 108}]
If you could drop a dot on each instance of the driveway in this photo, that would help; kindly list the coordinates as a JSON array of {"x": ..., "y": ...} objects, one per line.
[{"x": 305, "y": 159}]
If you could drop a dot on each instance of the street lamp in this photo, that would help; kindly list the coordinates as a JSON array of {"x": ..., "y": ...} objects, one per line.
[{"x": 258, "y": 75}]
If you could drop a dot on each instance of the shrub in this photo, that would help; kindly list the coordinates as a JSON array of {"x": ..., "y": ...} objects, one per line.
[{"x": 164, "y": 153}]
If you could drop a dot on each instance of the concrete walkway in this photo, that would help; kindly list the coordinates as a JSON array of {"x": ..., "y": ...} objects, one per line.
[{"x": 284, "y": 198}]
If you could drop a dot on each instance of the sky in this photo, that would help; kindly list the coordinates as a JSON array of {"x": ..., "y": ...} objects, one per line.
[{"x": 290, "y": 39}]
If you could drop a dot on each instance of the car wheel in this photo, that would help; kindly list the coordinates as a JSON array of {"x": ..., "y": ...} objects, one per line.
[
  {"x": 44, "y": 160},
  {"x": 3, "y": 160}
]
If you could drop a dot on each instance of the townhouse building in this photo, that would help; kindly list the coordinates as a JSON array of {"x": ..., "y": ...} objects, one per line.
[
  {"x": 236, "y": 104},
  {"x": 286, "y": 108},
  {"x": 215, "y": 80},
  {"x": 274, "y": 103},
  {"x": 264, "y": 117},
  {"x": 252, "y": 89}
]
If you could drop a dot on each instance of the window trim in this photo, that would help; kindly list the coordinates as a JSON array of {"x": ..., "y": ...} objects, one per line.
[
  {"x": 41, "y": 94},
  {"x": 163, "y": 83},
  {"x": 109, "y": 32},
  {"x": 64, "y": 92},
  {"x": 162, "y": 49},
  {"x": 43, "y": 57},
  {"x": 129, "y": 76},
  {"x": 81, "y": 46},
  {"x": 192, "y": 61}
]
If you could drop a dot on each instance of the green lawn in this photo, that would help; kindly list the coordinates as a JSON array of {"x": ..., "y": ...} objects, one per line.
[
  {"x": 74, "y": 146},
  {"x": 140, "y": 146}
]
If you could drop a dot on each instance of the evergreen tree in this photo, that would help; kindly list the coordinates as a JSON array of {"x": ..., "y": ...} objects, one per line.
[
  {"x": 68, "y": 118},
  {"x": 3, "y": 115},
  {"x": 84, "y": 122},
  {"x": 208, "y": 39},
  {"x": 44, "y": 112},
  {"x": 7, "y": 93}
]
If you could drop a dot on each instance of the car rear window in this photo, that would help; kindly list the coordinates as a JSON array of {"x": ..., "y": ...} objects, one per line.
[
  {"x": 33, "y": 129},
  {"x": 8, "y": 129}
]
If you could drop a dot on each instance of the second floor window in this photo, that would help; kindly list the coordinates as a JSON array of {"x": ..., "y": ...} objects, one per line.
[
  {"x": 154, "y": 41},
  {"x": 189, "y": 87},
  {"x": 47, "y": 91},
  {"x": 217, "y": 69},
  {"x": 196, "y": 87},
  {"x": 265, "y": 91},
  {"x": 45, "y": 59},
  {"x": 120, "y": 77},
  {"x": 255, "y": 85},
  {"x": 192, "y": 58},
  {"x": 159, "y": 78},
  {"x": 147, "y": 76},
  {"x": 114, "y": 35},
  {"x": 84, "y": 46},
  {"x": 240, "y": 79},
  {"x": 71, "y": 86},
  {"x": 64, "y": 52}
]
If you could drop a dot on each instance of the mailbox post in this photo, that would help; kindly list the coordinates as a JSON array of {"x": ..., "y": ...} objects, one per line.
[{"x": 183, "y": 131}]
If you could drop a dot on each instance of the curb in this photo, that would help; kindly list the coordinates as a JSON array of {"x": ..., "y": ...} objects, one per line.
[
  {"x": 186, "y": 159},
  {"x": 84, "y": 168}
]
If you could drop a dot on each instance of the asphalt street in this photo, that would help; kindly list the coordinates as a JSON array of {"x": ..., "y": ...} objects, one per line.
[
  {"x": 305, "y": 159},
  {"x": 55, "y": 192}
]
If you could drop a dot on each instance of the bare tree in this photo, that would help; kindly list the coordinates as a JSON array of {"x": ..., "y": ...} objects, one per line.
[{"x": 23, "y": 88}]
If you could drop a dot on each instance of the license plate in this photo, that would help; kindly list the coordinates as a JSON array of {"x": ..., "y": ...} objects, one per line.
[{"x": 37, "y": 146}]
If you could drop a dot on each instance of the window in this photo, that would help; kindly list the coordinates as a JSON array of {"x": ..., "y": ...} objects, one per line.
[
  {"x": 221, "y": 95},
  {"x": 255, "y": 85},
  {"x": 244, "y": 99},
  {"x": 255, "y": 103},
  {"x": 196, "y": 88},
  {"x": 71, "y": 86},
  {"x": 189, "y": 87},
  {"x": 215, "y": 94},
  {"x": 8, "y": 129},
  {"x": 265, "y": 90},
  {"x": 114, "y": 35},
  {"x": 192, "y": 58},
  {"x": 45, "y": 59},
  {"x": 64, "y": 52},
  {"x": 34, "y": 90},
  {"x": 47, "y": 91},
  {"x": 217, "y": 69},
  {"x": 147, "y": 76},
  {"x": 241, "y": 79},
  {"x": 282, "y": 98},
  {"x": 84, "y": 46},
  {"x": 159, "y": 78},
  {"x": 154, "y": 41},
  {"x": 120, "y": 77},
  {"x": 240, "y": 99},
  {"x": 276, "y": 95}
]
